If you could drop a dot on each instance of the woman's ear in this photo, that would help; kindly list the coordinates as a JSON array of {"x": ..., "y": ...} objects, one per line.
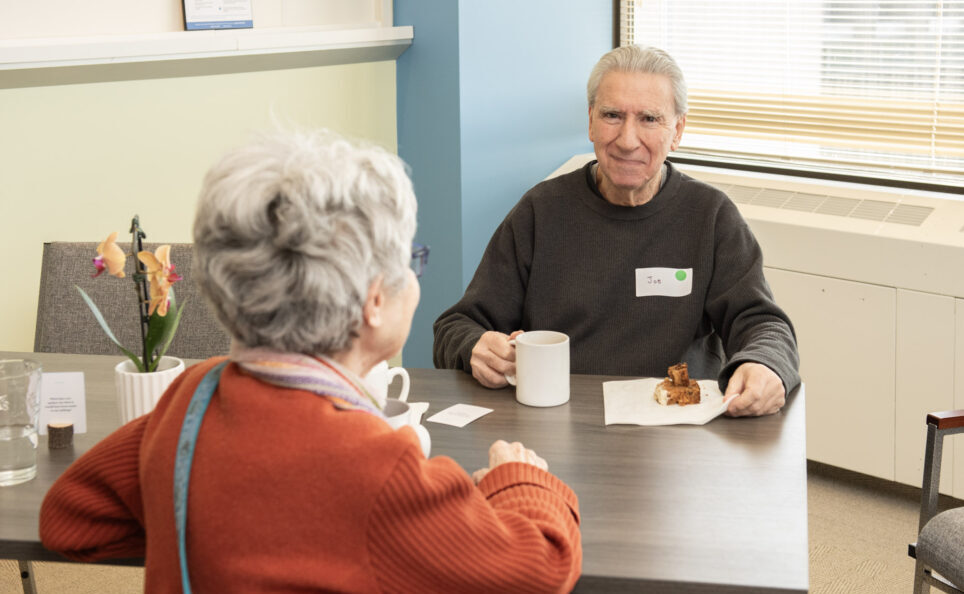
[{"x": 374, "y": 302}]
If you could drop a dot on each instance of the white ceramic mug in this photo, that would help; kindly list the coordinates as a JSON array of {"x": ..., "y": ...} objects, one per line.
[
  {"x": 398, "y": 413},
  {"x": 381, "y": 376},
  {"x": 542, "y": 368}
]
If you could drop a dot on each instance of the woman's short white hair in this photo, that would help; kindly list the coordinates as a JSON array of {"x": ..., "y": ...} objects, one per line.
[
  {"x": 646, "y": 60},
  {"x": 290, "y": 232}
]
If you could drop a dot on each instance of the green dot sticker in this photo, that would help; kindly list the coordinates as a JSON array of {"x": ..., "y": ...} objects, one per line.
[{"x": 681, "y": 275}]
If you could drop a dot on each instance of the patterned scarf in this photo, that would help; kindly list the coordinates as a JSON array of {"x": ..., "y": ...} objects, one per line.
[{"x": 320, "y": 375}]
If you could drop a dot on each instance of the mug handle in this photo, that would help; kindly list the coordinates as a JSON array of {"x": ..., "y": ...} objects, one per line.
[
  {"x": 510, "y": 378},
  {"x": 424, "y": 439},
  {"x": 406, "y": 382}
]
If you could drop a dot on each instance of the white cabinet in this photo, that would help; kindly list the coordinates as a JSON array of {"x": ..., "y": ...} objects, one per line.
[
  {"x": 925, "y": 379},
  {"x": 876, "y": 360},
  {"x": 846, "y": 335},
  {"x": 876, "y": 298}
]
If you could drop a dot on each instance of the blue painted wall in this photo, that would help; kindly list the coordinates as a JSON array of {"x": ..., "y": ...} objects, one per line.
[
  {"x": 491, "y": 99},
  {"x": 427, "y": 89}
]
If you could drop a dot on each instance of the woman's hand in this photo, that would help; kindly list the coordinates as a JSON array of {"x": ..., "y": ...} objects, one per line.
[{"x": 501, "y": 452}]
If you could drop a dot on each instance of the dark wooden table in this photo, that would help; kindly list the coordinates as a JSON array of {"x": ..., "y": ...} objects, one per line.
[{"x": 715, "y": 508}]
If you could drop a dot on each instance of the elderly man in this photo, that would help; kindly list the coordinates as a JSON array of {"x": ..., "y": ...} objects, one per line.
[{"x": 641, "y": 265}]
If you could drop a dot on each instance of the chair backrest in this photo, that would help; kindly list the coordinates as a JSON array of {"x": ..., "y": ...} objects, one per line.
[
  {"x": 941, "y": 535},
  {"x": 66, "y": 325}
]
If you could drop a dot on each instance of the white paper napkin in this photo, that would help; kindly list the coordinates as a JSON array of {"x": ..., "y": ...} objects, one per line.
[
  {"x": 631, "y": 402},
  {"x": 459, "y": 415}
]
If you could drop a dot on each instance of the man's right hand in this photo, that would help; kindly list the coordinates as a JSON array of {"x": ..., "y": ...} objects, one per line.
[{"x": 492, "y": 358}]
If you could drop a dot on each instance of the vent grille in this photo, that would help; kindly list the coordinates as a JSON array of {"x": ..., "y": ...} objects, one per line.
[
  {"x": 908, "y": 214},
  {"x": 871, "y": 210},
  {"x": 772, "y": 198},
  {"x": 741, "y": 194},
  {"x": 804, "y": 202},
  {"x": 841, "y": 207}
]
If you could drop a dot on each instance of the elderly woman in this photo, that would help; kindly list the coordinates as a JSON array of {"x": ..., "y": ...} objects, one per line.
[{"x": 296, "y": 481}]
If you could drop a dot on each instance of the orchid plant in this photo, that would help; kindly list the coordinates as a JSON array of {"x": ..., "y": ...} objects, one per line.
[{"x": 153, "y": 278}]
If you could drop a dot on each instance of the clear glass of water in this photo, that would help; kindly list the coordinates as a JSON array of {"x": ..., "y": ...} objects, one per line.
[{"x": 19, "y": 411}]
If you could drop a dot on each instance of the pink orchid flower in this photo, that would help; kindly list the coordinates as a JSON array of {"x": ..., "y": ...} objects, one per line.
[
  {"x": 160, "y": 276},
  {"x": 110, "y": 257}
]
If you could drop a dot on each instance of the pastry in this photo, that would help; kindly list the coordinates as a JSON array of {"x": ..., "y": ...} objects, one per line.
[{"x": 678, "y": 388}]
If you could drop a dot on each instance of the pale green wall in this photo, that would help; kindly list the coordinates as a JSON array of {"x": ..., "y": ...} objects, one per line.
[{"x": 78, "y": 161}]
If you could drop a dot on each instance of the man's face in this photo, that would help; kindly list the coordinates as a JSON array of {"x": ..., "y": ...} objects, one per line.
[{"x": 633, "y": 126}]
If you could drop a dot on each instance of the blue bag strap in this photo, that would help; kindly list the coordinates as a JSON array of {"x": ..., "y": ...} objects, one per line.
[{"x": 185, "y": 455}]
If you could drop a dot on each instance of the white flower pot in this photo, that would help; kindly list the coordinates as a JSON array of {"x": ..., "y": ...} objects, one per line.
[{"x": 138, "y": 393}]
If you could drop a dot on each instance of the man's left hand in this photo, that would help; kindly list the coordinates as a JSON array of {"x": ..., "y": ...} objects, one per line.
[{"x": 757, "y": 390}]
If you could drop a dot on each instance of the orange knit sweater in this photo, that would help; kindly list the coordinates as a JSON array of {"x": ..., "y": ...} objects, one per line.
[{"x": 289, "y": 494}]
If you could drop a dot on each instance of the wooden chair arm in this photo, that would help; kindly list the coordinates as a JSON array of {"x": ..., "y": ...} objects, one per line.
[{"x": 948, "y": 419}]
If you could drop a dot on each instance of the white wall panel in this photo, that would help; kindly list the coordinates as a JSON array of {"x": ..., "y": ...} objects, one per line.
[
  {"x": 925, "y": 379},
  {"x": 846, "y": 334}
]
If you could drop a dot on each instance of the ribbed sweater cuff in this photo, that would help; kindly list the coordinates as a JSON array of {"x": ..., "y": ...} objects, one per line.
[
  {"x": 787, "y": 374},
  {"x": 517, "y": 474},
  {"x": 465, "y": 351}
]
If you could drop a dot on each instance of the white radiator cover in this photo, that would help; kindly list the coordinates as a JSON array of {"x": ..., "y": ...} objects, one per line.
[
  {"x": 892, "y": 237},
  {"x": 873, "y": 279}
]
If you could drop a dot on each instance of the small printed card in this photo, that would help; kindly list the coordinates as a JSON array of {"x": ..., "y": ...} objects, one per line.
[
  {"x": 459, "y": 415},
  {"x": 62, "y": 400},
  {"x": 217, "y": 14}
]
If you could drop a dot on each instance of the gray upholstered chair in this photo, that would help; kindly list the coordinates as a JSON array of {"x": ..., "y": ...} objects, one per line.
[
  {"x": 66, "y": 325},
  {"x": 939, "y": 549}
]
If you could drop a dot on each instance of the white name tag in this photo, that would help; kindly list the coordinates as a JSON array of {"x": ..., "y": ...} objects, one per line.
[{"x": 665, "y": 282}]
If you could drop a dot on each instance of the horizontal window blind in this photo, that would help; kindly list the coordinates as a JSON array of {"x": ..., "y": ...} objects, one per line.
[
  {"x": 856, "y": 85},
  {"x": 627, "y": 22}
]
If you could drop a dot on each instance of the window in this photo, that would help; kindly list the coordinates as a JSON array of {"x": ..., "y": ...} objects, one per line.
[{"x": 859, "y": 87}]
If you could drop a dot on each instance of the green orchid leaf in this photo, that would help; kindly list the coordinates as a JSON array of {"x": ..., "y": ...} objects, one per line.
[
  {"x": 103, "y": 324},
  {"x": 170, "y": 328},
  {"x": 137, "y": 360}
]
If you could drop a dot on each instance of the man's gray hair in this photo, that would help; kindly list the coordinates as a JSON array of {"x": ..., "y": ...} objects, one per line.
[
  {"x": 290, "y": 232},
  {"x": 646, "y": 60}
]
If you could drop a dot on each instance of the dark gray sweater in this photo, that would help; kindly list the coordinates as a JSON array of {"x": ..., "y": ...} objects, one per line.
[{"x": 565, "y": 259}]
